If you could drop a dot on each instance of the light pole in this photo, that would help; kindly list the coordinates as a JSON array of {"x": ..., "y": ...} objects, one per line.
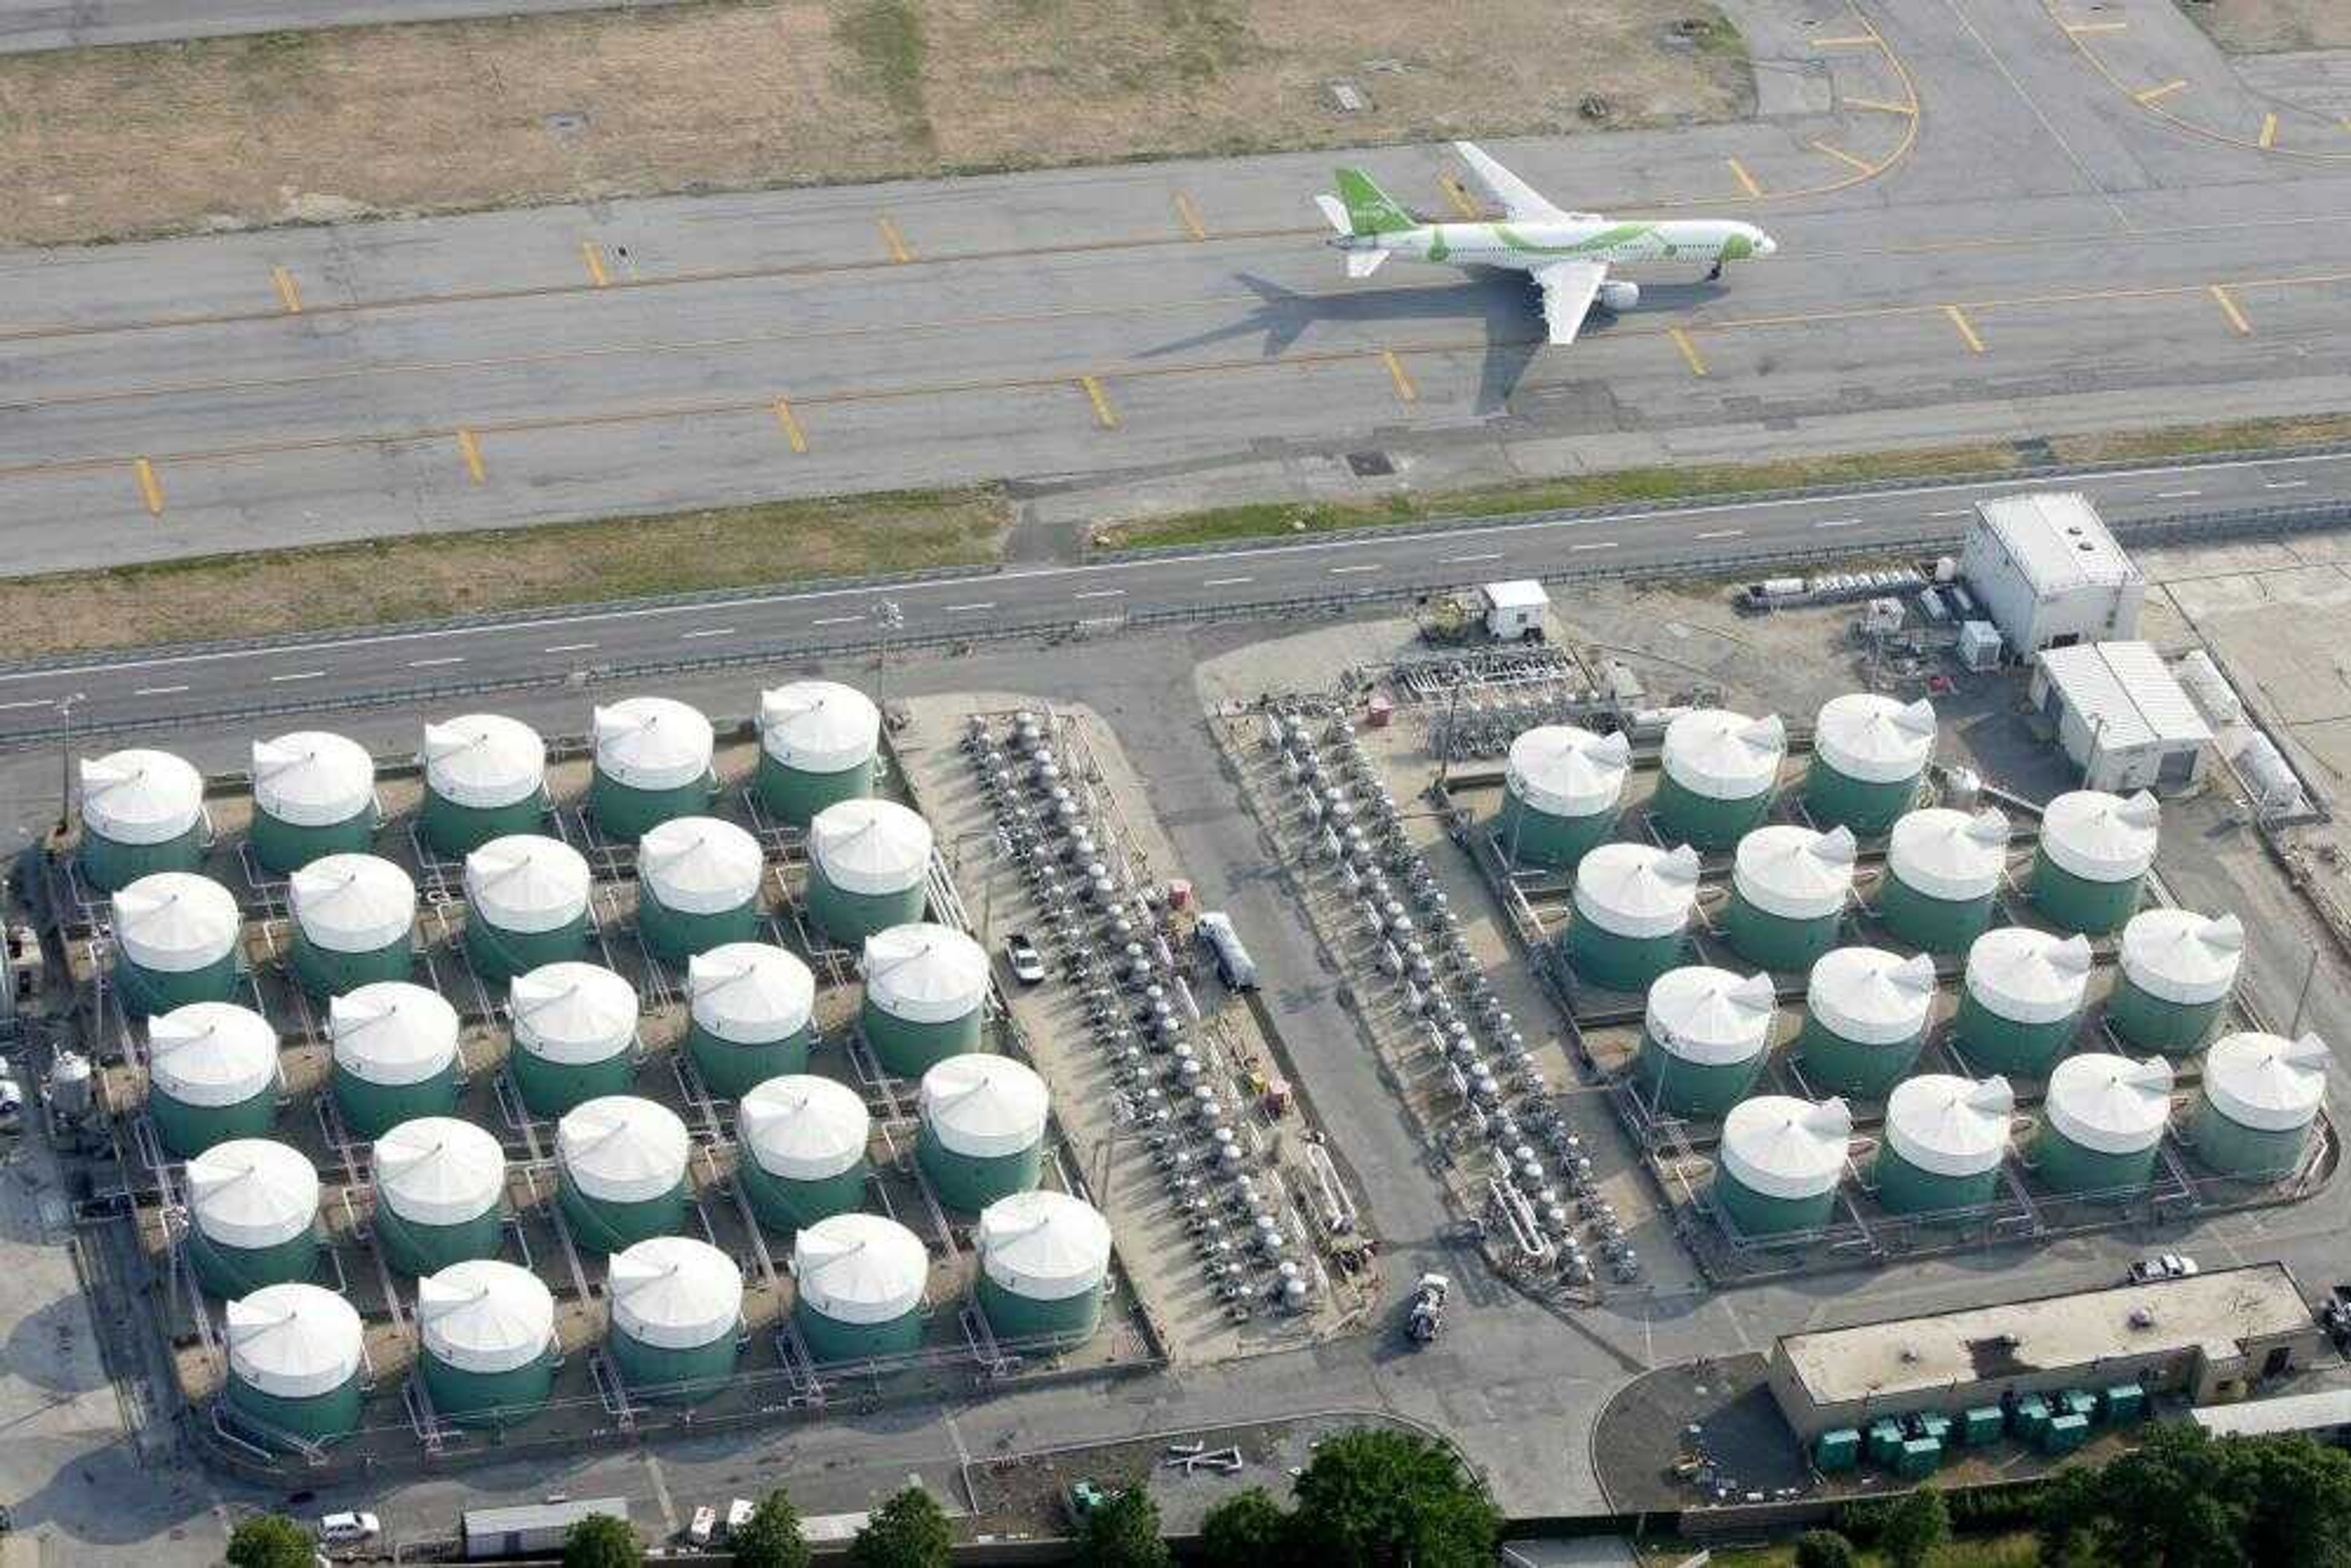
[
  {"x": 891, "y": 618},
  {"x": 65, "y": 761}
]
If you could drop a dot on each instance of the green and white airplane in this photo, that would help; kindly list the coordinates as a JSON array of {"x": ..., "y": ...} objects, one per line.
[{"x": 1567, "y": 253}]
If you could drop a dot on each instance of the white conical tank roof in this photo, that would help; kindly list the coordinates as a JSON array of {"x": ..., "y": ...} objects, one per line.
[
  {"x": 438, "y": 1170},
  {"x": 2182, "y": 956},
  {"x": 251, "y": 1192},
  {"x": 2028, "y": 977},
  {"x": 211, "y": 1053},
  {"x": 675, "y": 1292},
  {"x": 572, "y": 1013},
  {"x": 750, "y": 993},
  {"x": 353, "y": 904},
  {"x": 1725, "y": 755},
  {"x": 293, "y": 1342},
  {"x": 1875, "y": 738},
  {"x": 527, "y": 883},
  {"x": 2266, "y": 1082},
  {"x": 2109, "y": 1103},
  {"x": 859, "y": 1268},
  {"x": 1709, "y": 1016},
  {"x": 1871, "y": 996},
  {"x": 819, "y": 727},
  {"x": 623, "y": 1149},
  {"x": 1637, "y": 890},
  {"x": 2100, "y": 837},
  {"x": 700, "y": 865},
  {"x": 1567, "y": 771},
  {"x": 1956, "y": 855},
  {"x": 1794, "y": 872},
  {"x": 485, "y": 1316},
  {"x": 484, "y": 760},
  {"x": 922, "y": 973},
  {"x": 653, "y": 743},
  {"x": 981, "y": 1106},
  {"x": 869, "y": 846},
  {"x": 311, "y": 778},
  {"x": 1044, "y": 1246},
  {"x": 393, "y": 1032},
  {"x": 139, "y": 796},
  {"x": 171, "y": 922},
  {"x": 800, "y": 1128},
  {"x": 1948, "y": 1125},
  {"x": 1780, "y": 1147}
]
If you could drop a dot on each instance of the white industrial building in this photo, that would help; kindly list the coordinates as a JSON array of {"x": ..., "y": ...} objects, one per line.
[
  {"x": 2121, "y": 716},
  {"x": 2048, "y": 573},
  {"x": 1514, "y": 609}
]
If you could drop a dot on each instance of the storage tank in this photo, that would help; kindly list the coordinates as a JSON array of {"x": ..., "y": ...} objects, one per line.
[
  {"x": 2260, "y": 1094},
  {"x": 485, "y": 778},
  {"x": 621, "y": 1171},
  {"x": 440, "y": 1194},
  {"x": 1865, "y": 1018},
  {"x": 2177, "y": 969},
  {"x": 1779, "y": 1164},
  {"x": 252, "y": 1213},
  {"x": 175, "y": 941},
  {"x": 395, "y": 1055},
  {"x": 1632, "y": 904},
  {"x": 1560, "y": 793},
  {"x": 1945, "y": 1138},
  {"x": 212, "y": 1075},
  {"x": 653, "y": 762},
  {"x": 817, "y": 740},
  {"x": 677, "y": 1318},
  {"x": 526, "y": 904},
  {"x": 1720, "y": 770},
  {"x": 803, "y": 1149},
  {"x": 575, "y": 1036},
  {"x": 487, "y": 1330},
  {"x": 1943, "y": 869},
  {"x": 1869, "y": 753},
  {"x": 313, "y": 795},
  {"x": 697, "y": 886},
  {"x": 752, "y": 1016},
  {"x": 983, "y": 1133},
  {"x": 2101, "y": 1120},
  {"x": 2022, "y": 1002},
  {"x": 926, "y": 992},
  {"x": 352, "y": 919},
  {"x": 141, "y": 813},
  {"x": 294, "y": 1362},
  {"x": 867, "y": 862},
  {"x": 1043, "y": 1257},
  {"x": 861, "y": 1282},
  {"x": 1704, "y": 1039},
  {"x": 1788, "y": 891},
  {"x": 2096, "y": 850}
]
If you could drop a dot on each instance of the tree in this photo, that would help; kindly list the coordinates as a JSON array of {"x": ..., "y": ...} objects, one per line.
[
  {"x": 1245, "y": 1530},
  {"x": 600, "y": 1541},
  {"x": 1375, "y": 1497},
  {"x": 1914, "y": 1528},
  {"x": 771, "y": 1537},
  {"x": 910, "y": 1531},
  {"x": 270, "y": 1540},
  {"x": 1123, "y": 1531},
  {"x": 2297, "y": 1501},
  {"x": 1825, "y": 1548}
]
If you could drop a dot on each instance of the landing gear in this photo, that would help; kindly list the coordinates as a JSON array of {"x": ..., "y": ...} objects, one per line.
[{"x": 1714, "y": 273}]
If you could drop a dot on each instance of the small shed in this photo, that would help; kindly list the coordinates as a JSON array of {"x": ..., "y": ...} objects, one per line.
[{"x": 1514, "y": 609}]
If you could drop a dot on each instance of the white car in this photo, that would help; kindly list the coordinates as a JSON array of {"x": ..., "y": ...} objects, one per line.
[
  {"x": 2162, "y": 1266},
  {"x": 349, "y": 1529}
]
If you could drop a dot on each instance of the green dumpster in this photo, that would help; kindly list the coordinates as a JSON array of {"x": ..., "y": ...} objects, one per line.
[
  {"x": 1885, "y": 1438},
  {"x": 2028, "y": 1419},
  {"x": 1919, "y": 1457},
  {"x": 1836, "y": 1449},
  {"x": 2063, "y": 1434},
  {"x": 2123, "y": 1402},
  {"x": 1981, "y": 1424},
  {"x": 2079, "y": 1402}
]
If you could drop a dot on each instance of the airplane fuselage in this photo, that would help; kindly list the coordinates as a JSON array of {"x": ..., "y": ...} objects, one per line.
[{"x": 1527, "y": 245}]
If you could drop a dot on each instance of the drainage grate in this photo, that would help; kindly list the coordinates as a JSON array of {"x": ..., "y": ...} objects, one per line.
[{"x": 1370, "y": 464}]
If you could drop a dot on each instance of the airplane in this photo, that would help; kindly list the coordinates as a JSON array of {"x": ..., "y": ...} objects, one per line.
[{"x": 1567, "y": 253}]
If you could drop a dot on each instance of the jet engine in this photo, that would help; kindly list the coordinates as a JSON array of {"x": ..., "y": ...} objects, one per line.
[{"x": 1617, "y": 297}]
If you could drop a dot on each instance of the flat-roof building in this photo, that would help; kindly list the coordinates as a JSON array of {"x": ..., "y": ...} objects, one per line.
[
  {"x": 2121, "y": 715},
  {"x": 2048, "y": 573}
]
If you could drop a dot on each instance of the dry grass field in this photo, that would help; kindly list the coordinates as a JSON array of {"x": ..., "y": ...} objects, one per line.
[{"x": 2265, "y": 26}]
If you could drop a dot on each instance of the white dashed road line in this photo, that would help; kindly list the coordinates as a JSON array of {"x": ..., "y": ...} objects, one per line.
[
  {"x": 569, "y": 648},
  {"x": 435, "y": 663},
  {"x": 1226, "y": 581},
  {"x": 708, "y": 631},
  {"x": 300, "y": 675},
  {"x": 158, "y": 691},
  {"x": 1722, "y": 534},
  {"x": 1102, "y": 593}
]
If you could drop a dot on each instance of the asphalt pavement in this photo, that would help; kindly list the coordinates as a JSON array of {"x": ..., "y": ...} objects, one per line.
[{"x": 31, "y": 25}]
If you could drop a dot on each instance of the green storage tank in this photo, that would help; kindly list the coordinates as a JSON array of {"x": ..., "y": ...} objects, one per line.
[
  {"x": 1788, "y": 891},
  {"x": 395, "y": 1047},
  {"x": 983, "y": 1130},
  {"x": 2260, "y": 1096},
  {"x": 253, "y": 1212},
  {"x": 485, "y": 778},
  {"x": 1559, "y": 795},
  {"x": 2177, "y": 969},
  {"x": 1719, "y": 770},
  {"x": 440, "y": 1195},
  {"x": 176, "y": 941},
  {"x": 818, "y": 743},
  {"x": 2021, "y": 1004},
  {"x": 294, "y": 1362},
  {"x": 1943, "y": 869},
  {"x": 2102, "y": 1122},
  {"x": 1632, "y": 904},
  {"x": 354, "y": 916},
  {"x": 488, "y": 1345},
  {"x": 867, "y": 865},
  {"x": 800, "y": 1154},
  {"x": 2096, "y": 850},
  {"x": 1777, "y": 1169},
  {"x": 752, "y": 1011},
  {"x": 925, "y": 996},
  {"x": 1043, "y": 1261},
  {"x": 575, "y": 1036},
  {"x": 1704, "y": 1037},
  {"x": 212, "y": 1075},
  {"x": 698, "y": 881},
  {"x": 1944, "y": 1141},
  {"x": 141, "y": 813},
  {"x": 620, "y": 1164},
  {"x": 1867, "y": 1014},
  {"x": 653, "y": 761},
  {"x": 861, "y": 1280},
  {"x": 526, "y": 905},
  {"x": 1869, "y": 753},
  {"x": 677, "y": 1318},
  {"x": 313, "y": 796}
]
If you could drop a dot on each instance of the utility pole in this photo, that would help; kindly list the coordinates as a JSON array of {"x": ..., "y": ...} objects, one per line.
[
  {"x": 892, "y": 618},
  {"x": 2309, "y": 975},
  {"x": 65, "y": 762}
]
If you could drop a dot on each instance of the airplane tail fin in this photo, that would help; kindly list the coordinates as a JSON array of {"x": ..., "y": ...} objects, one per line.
[
  {"x": 1369, "y": 209},
  {"x": 1363, "y": 262}
]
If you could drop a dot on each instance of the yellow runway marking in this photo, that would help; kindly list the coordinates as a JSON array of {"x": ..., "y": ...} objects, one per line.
[
  {"x": 1406, "y": 391},
  {"x": 1459, "y": 196},
  {"x": 1967, "y": 333},
  {"x": 288, "y": 294},
  {"x": 1104, "y": 415},
  {"x": 1882, "y": 108},
  {"x": 1842, "y": 156},
  {"x": 2237, "y": 322},
  {"x": 894, "y": 240},
  {"x": 2079, "y": 28},
  {"x": 1746, "y": 181},
  {"x": 151, "y": 489},
  {"x": 2153, "y": 94},
  {"x": 592, "y": 255},
  {"x": 791, "y": 422},
  {"x": 2269, "y": 130},
  {"x": 1190, "y": 216},
  {"x": 471, "y": 450},
  {"x": 1690, "y": 349},
  {"x": 1856, "y": 41}
]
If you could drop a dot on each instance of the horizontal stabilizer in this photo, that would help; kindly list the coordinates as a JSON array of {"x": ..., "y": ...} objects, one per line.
[
  {"x": 1335, "y": 211},
  {"x": 1363, "y": 262}
]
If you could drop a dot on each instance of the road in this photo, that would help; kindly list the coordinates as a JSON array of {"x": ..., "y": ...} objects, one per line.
[{"x": 30, "y": 25}]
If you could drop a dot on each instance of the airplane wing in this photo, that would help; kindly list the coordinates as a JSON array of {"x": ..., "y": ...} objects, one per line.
[
  {"x": 1568, "y": 288},
  {"x": 1519, "y": 200}
]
